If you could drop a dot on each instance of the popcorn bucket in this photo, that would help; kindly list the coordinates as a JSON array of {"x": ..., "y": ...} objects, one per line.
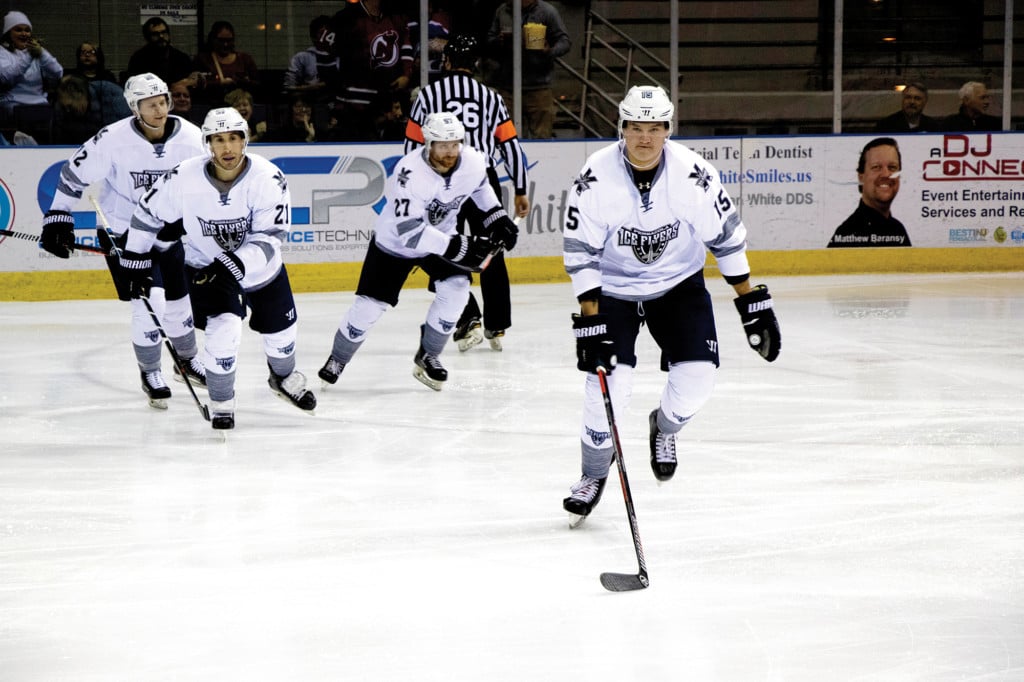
[{"x": 534, "y": 35}]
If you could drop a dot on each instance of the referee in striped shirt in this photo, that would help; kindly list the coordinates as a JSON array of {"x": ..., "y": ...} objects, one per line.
[{"x": 489, "y": 129}]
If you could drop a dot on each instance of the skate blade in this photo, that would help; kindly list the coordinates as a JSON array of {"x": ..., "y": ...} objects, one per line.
[
  {"x": 288, "y": 400},
  {"x": 495, "y": 343},
  {"x": 195, "y": 383},
  {"x": 158, "y": 403},
  {"x": 473, "y": 337},
  {"x": 422, "y": 377},
  {"x": 576, "y": 520}
]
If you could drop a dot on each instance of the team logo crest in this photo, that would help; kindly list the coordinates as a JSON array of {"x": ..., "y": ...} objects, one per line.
[
  {"x": 229, "y": 234},
  {"x": 583, "y": 180},
  {"x": 403, "y": 176},
  {"x": 145, "y": 180},
  {"x": 598, "y": 437},
  {"x": 701, "y": 177},
  {"x": 437, "y": 211},
  {"x": 384, "y": 50},
  {"x": 648, "y": 246}
]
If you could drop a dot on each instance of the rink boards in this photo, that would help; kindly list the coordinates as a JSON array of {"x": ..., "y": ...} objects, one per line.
[{"x": 960, "y": 200}]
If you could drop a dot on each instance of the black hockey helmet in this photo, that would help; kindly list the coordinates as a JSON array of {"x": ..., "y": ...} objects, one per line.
[{"x": 462, "y": 50}]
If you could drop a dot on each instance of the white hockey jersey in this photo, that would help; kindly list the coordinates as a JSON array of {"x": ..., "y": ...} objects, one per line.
[
  {"x": 249, "y": 218},
  {"x": 126, "y": 165},
  {"x": 637, "y": 246},
  {"x": 422, "y": 205}
]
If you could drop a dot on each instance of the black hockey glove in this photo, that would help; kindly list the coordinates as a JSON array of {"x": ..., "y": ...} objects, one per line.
[
  {"x": 138, "y": 271},
  {"x": 759, "y": 323},
  {"x": 469, "y": 251},
  {"x": 502, "y": 230},
  {"x": 225, "y": 272},
  {"x": 593, "y": 343},
  {"x": 58, "y": 233}
]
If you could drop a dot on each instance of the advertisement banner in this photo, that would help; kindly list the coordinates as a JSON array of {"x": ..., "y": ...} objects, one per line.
[{"x": 954, "y": 191}]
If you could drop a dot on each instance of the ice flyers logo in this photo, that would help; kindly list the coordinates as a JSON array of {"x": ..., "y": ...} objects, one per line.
[
  {"x": 648, "y": 246},
  {"x": 229, "y": 234},
  {"x": 145, "y": 179},
  {"x": 438, "y": 210}
]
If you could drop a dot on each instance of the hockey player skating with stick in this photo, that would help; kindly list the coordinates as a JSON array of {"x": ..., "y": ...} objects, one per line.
[
  {"x": 416, "y": 227},
  {"x": 125, "y": 159},
  {"x": 640, "y": 216},
  {"x": 234, "y": 210}
]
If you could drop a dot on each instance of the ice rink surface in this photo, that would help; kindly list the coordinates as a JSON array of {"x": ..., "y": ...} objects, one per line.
[{"x": 853, "y": 511}]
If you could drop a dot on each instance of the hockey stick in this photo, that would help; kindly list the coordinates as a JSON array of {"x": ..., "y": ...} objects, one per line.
[
  {"x": 115, "y": 250},
  {"x": 622, "y": 582},
  {"x": 36, "y": 238},
  {"x": 494, "y": 252}
]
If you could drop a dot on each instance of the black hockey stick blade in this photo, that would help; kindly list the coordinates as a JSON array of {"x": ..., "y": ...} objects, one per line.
[
  {"x": 35, "y": 238},
  {"x": 624, "y": 582}
]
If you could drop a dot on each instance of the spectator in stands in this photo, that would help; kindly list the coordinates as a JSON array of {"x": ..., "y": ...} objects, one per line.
[
  {"x": 27, "y": 70},
  {"x": 974, "y": 102},
  {"x": 241, "y": 101},
  {"x": 372, "y": 41},
  {"x": 316, "y": 68},
  {"x": 538, "y": 105},
  {"x": 910, "y": 118},
  {"x": 392, "y": 128},
  {"x": 82, "y": 108},
  {"x": 439, "y": 25},
  {"x": 878, "y": 178},
  {"x": 91, "y": 64},
  {"x": 226, "y": 68},
  {"x": 298, "y": 126},
  {"x": 181, "y": 101},
  {"x": 159, "y": 57}
]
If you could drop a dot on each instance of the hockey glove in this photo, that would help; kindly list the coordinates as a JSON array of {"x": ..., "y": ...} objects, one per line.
[
  {"x": 58, "y": 233},
  {"x": 469, "y": 251},
  {"x": 138, "y": 271},
  {"x": 759, "y": 323},
  {"x": 594, "y": 346},
  {"x": 225, "y": 272},
  {"x": 501, "y": 228}
]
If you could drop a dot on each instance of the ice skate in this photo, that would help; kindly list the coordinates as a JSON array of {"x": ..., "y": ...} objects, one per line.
[
  {"x": 428, "y": 370},
  {"x": 468, "y": 335},
  {"x": 222, "y": 414},
  {"x": 663, "y": 450},
  {"x": 194, "y": 370},
  {"x": 583, "y": 497},
  {"x": 292, "y": 389},
  {"x": 331, "y": 370},
  {"x": 494, "y": 337},
  {"x": 155, "y": 388}
]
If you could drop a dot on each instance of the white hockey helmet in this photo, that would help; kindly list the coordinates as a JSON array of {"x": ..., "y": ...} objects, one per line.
[
  {"x": 143, "y": 86},
  {"x": 647, "y": 104},
  {"x": 443, "y": 126},
  {"x": 224, "y": 120}
]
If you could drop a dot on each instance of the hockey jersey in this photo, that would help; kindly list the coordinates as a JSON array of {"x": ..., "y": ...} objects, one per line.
[
  {"x": 249, "y": 218},
  {"x": 126, "y": 165},
  {"x": 637, "y": 245},
  {"x": 419, "y": 218}
]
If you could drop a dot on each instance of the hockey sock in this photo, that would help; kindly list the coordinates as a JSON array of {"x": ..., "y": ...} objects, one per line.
[
  {"x": 279, "y": 348},
  {"x": 357, "y": 322},
  {"x": 447, "y": 306},
  {"x": 688, "y": 389}
]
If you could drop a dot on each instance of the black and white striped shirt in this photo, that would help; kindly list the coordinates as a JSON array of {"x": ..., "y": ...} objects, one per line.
[{"x": 489, "y": 128}]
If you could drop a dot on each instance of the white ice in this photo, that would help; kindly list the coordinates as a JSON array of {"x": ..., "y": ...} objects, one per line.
[{"x": 853, "y": 511}]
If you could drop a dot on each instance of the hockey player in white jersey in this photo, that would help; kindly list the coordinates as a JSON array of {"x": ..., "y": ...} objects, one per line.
[
  {"x": 640, "y": 217},
  {"x": 125, "y": 159},
  {"x": 417, "y": 227},
  {"x": 234, "y": 211}
]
